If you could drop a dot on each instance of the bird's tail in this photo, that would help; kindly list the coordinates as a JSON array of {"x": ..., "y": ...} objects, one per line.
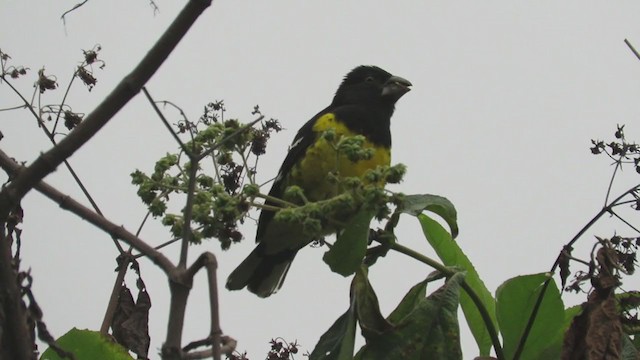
[{"x": 263, "y": 274}]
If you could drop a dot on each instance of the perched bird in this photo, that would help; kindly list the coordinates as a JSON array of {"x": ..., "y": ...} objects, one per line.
[{"x": 362, "y": 105}]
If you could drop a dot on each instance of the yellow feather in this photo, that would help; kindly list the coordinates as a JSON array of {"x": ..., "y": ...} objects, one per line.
[{"x": 321, "y": 158}]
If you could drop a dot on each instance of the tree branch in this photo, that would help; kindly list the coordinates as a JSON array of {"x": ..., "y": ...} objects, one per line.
[
  {"x": 536, "y": 307},
  {"x": 208, "y": 261},
  {"x": 69, "y": 204},
  {"x": 187, "y": 234},
  {"x": 115, "y": 294},
  {"x": 15, "y": 339},
  {"x": 632, "y": 48},
  {"x": 124, "y": 91}
]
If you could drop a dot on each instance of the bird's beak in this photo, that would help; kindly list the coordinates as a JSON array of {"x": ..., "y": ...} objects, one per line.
[{"x": 395, "y": 87}]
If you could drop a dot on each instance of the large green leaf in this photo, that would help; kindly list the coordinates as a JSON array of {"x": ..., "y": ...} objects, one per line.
[
  {"x": 451, "y": 255},
  {"x": 370, "y": 318},
  {"x": 553, "y": 349},
  {"x": 409, "y": 302},
  {"x": 416, "y": 204},
  {"x": 346, "y": 255},
  {"x": 87, "y": 345},
  {"x": 430, "y": 331},
  {"x": 569, "y": 314},
  {"x": 629, "y": 351},
  {"x": 338, "y": 342},
  {"x": 515, "y": 300}
]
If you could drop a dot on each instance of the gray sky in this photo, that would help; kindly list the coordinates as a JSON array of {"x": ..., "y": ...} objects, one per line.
[{"x": 506, "y": 98}]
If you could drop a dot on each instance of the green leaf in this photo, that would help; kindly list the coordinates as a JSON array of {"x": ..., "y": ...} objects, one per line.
[
  {"x": 430, "y": 331},
  {"x": 569, "y": 314},
  {"x": 338, "y": 342},
  {"x": 346, "y": 255},
  {"x": 553, "y": 350},
  {"x": 409, "y": 302},
  {"x": 441, "y": 206},
  {"x": 629, "y": 351},
  {"x": 87, "y": 345},
  {"x": 636, "y": 341},
  {"x": 451, "y": 255},
  {"x": 367, "y": 307},
  {"x": 515, "y": 300}
]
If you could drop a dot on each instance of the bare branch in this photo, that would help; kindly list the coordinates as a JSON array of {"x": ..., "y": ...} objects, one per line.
[
  {"x": 73, "y": 173},
  {"x": 13, "y": 314},
  {"x": 164, "y": 120},
  {"x": 115, "y": 294},
  {"x": 125, "y": 91},
  {"x": 208, "y": 261},
  {"x": 72, "y": 9},
  {"x": 632, "y": 48},
  {"x": 68, "y": 203},
  {"x": 187, "y": 233}
]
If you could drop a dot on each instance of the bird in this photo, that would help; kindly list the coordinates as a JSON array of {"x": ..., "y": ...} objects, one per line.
[{"x": 362, "y": 105}]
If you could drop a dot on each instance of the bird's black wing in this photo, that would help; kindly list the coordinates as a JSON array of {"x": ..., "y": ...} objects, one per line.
[{"x": 305, "y": 138}]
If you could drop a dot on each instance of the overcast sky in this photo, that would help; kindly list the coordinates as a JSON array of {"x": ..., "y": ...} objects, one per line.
[{"x": 506, "y": 97}]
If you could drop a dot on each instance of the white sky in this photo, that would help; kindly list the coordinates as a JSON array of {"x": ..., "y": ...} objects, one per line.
[{"x": 506, "y": 97}]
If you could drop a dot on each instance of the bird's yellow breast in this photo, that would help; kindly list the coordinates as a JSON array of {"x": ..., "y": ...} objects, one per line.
[{"x": 321, "y": 158}]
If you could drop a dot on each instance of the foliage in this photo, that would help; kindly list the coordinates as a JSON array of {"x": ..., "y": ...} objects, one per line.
[
  {"x": 220, "y": 201},
  {"x": 527, "y": 310},
  {"x": 206, "y": 190},
  {"x": 87, "y": 344}
]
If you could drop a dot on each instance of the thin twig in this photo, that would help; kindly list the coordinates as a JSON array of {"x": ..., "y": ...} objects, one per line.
[
  {"x": 164, "y": 244},
  {"x": 164, "y": 120},
  {"x": 188, "y": 212},
  {"x": 144, "y": 221},
  {"x": 213, "y": 158},
  {"x": 64, "y": 99},
  {"x": 230, "y": 136},
  {"x": 99, "y": 221},
  {"x": 194, "y": 160},
  {"x": 14, "y": 108},
  {"x": 275, "y": 200},
  {"x": 73, "y": 173},
  {"x": 613, "y": 177},
  {"x": 624, "y": 221},
  {"x": 115, "y": 294},
  {"x": 70, "y": 10},
  {"x": 124, "y": 91},
  {"x": 632, "y": 48},
  {"x": 534, "y": 313}
]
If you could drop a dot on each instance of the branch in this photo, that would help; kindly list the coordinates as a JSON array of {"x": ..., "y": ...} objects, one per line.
[
  {"x": 50, "y": 136},
  {"x": 534, "y": 313},
  {"x": 69, "y": 204},
  {"x": 187, "y": 233},
  {"x": 632, "y": 48},
  {"x": 124, "y": 91},
  {"x": 230, "y": 136},
  {"x": 228, "y": 347},
  {"x": 115, "y": 294},
  {"x": 72, "y": 9},
  {"x": 164, "y": 121},
  {"x": 18, "y": 343},
  {"x": 208, "y": 260}
]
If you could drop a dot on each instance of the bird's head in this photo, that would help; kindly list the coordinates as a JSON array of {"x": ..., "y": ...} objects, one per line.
[{"x": 370, "y": 85}]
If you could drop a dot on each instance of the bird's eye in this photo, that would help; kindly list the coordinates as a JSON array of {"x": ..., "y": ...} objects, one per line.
[{"x": 369, "y": 79}]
